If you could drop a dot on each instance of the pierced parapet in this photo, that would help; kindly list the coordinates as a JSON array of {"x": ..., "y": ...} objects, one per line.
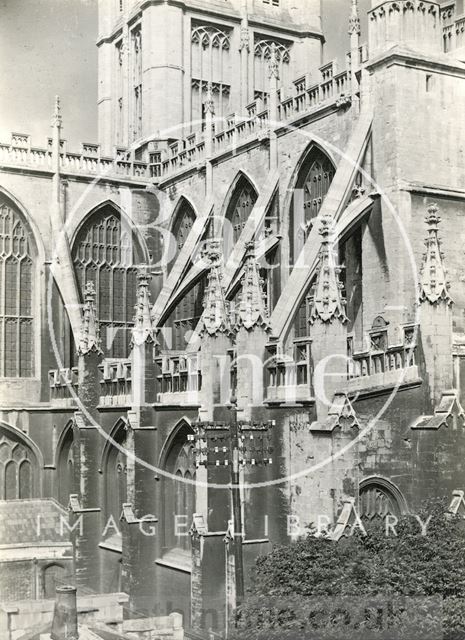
[
  {"x": 128, "y": 515},
  {"x": 354, "y": 19},
  {"x": 216, "y": 315},
  {"x": 457, "y": 505},
  {"x": 89, "y": 339},
  {"x": 144, "y": 330},
  {"x": 449, "y": 413},
  {"x": 252, "y": 310},
  {"x": 327, "y": 302},
  {"x": 348, "y": 521},
  {"x": 198, "y": 527},
  {"x": 434, "y": 286},
  {"x": 341, "y": 414}
]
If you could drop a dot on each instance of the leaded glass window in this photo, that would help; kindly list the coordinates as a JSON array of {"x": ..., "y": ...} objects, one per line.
[
  {"x": 377, "y": 502},
  {"x": 312, "y": 186},
  {"x": 105, "y": 253},
  {"x": 240, "y": 208},
  {"x": 116, "y": 476},
  {"x": 16, "y": 296},
  {"x": 182, "y": 226},
  {"x": 179, "y": 494},
  {"x": 16, "y": 470}
]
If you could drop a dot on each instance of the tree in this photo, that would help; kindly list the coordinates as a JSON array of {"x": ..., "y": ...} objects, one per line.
[{"x": 409, "y": 585}]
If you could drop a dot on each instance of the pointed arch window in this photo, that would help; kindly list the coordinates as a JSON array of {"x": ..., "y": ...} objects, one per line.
[
  {"x": 179, "y": 493},
  {"x": 239, "y": 209},
  {"x": 105, "y": 253},
  {"x": 116, "y": 475},
  {"x": 16, "y": 296},
  {"x": 18, "y": 469},
  {"x": 183, "y": 223},
  {"x": 66, "y": 467},
  {"x": 262, "y": 54},
  {"x": 314, "y": 180},
  {"x": 378, "y": 499}
]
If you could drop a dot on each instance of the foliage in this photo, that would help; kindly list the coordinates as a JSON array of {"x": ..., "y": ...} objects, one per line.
[{"x": 409, "y": 585}]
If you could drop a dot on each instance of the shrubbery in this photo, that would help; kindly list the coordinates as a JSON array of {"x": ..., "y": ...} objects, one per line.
[{"x": 375, "y": 586}]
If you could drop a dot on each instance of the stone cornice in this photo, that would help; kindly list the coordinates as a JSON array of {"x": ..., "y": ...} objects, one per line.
[
  {"x": 219, "y": 12},
  {"x": 410, "y": 58}
]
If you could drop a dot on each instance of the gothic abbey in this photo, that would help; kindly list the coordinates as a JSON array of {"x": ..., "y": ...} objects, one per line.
[{"x": 257, "y": 239}]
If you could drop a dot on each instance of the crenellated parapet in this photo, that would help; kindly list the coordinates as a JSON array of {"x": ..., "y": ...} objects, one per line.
[{"x": 414, "y": 23}]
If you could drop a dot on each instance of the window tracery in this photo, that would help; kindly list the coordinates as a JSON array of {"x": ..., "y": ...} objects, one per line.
[
  {"x": 180, "y": 495},
  {"x": 17, "y": 294},
  {"x": 16, "y": 469},
  {"x": 313, "y": 184},
  {"x": 239, "y": 209},
  {"x": 262, "y": 54},
  {"x": 210, "y": 66},
  {"x": 378, "y": 501},
  {"x": 105, "y": 254}
]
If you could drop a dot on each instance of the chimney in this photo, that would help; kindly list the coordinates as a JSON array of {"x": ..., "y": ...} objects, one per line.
[{"x": 64, "y": 625}]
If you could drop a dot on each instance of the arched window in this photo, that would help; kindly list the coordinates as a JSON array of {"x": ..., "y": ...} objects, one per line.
[
  {"x": 16, "y": 295},
  {"x": 378, "y": 499},
  {"x": 179, "y": 495},
  {"x": 183, "y": 223},
  {"x": 52, "y": 577},
  {"x": 185, "y": 316},
  {"x": 239, "y": 209},
  {"x": 106, "y": 253},
  {"x": 66, "y": 467},
  {"x": 262, "y": 53},
  {"x": 312, "y": 185},
  {"x": 211, "y": 65},
  {"x": 115, "y": 472},
  {"x": 18, "y": 468}
]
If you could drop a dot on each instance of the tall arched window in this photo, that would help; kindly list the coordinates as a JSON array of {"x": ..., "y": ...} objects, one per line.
[
  {"x": 66, "y": 467},
  {"x": 115, "y": 470},
  {"x": 16, "y": 295},
  {"x": 239, "y": 209},
  {"x": 185, "y": 316},
  {"x": 312, "y": 185},
  {"x": 183, "y": 223},
  {"x": 179, "y": 495},
  {"x": 378, "y": 499},
  {"x": 106, "y": 253},
  {"x": 18, "y": 468}
]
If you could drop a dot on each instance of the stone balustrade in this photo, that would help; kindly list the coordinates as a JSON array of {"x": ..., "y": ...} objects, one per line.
[
  {"x": 179, "y": 379},
  {"x": 116, "y": 382},
  {"x": 383, "y": 367},
  {"x": 63, "y": 385},
  {"x": 238, "y": 130},
  {"x": 20, "y": 152}
]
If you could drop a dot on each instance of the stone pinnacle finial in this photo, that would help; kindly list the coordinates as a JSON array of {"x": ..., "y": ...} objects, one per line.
[
  {"x": 209, "y": 103},
  {"x": 143, "y": 330},
  {"x": 354, "y": 20},
  {"x": 433, "y": 275},
  {"x": 252, "y": 310},
  {"x": 273, "y": 63},
  {"x": 56, "y": 118},
  {"x": 216, "y": 316},
  {"x": 328, "y": 303},
  {"x": 89, "y": 339}
]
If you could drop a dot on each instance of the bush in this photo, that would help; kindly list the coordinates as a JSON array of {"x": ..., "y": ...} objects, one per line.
[{"x": 375, "y": 586}]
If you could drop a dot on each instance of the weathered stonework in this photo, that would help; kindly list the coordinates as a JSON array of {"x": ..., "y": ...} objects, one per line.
[{"x": 262, "y": 315}]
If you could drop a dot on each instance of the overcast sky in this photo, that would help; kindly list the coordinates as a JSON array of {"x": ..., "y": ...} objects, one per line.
[{"x": 47, "y": 47}]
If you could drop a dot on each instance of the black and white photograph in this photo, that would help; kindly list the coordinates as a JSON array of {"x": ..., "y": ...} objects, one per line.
[{"x": 232, "y": 320}]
